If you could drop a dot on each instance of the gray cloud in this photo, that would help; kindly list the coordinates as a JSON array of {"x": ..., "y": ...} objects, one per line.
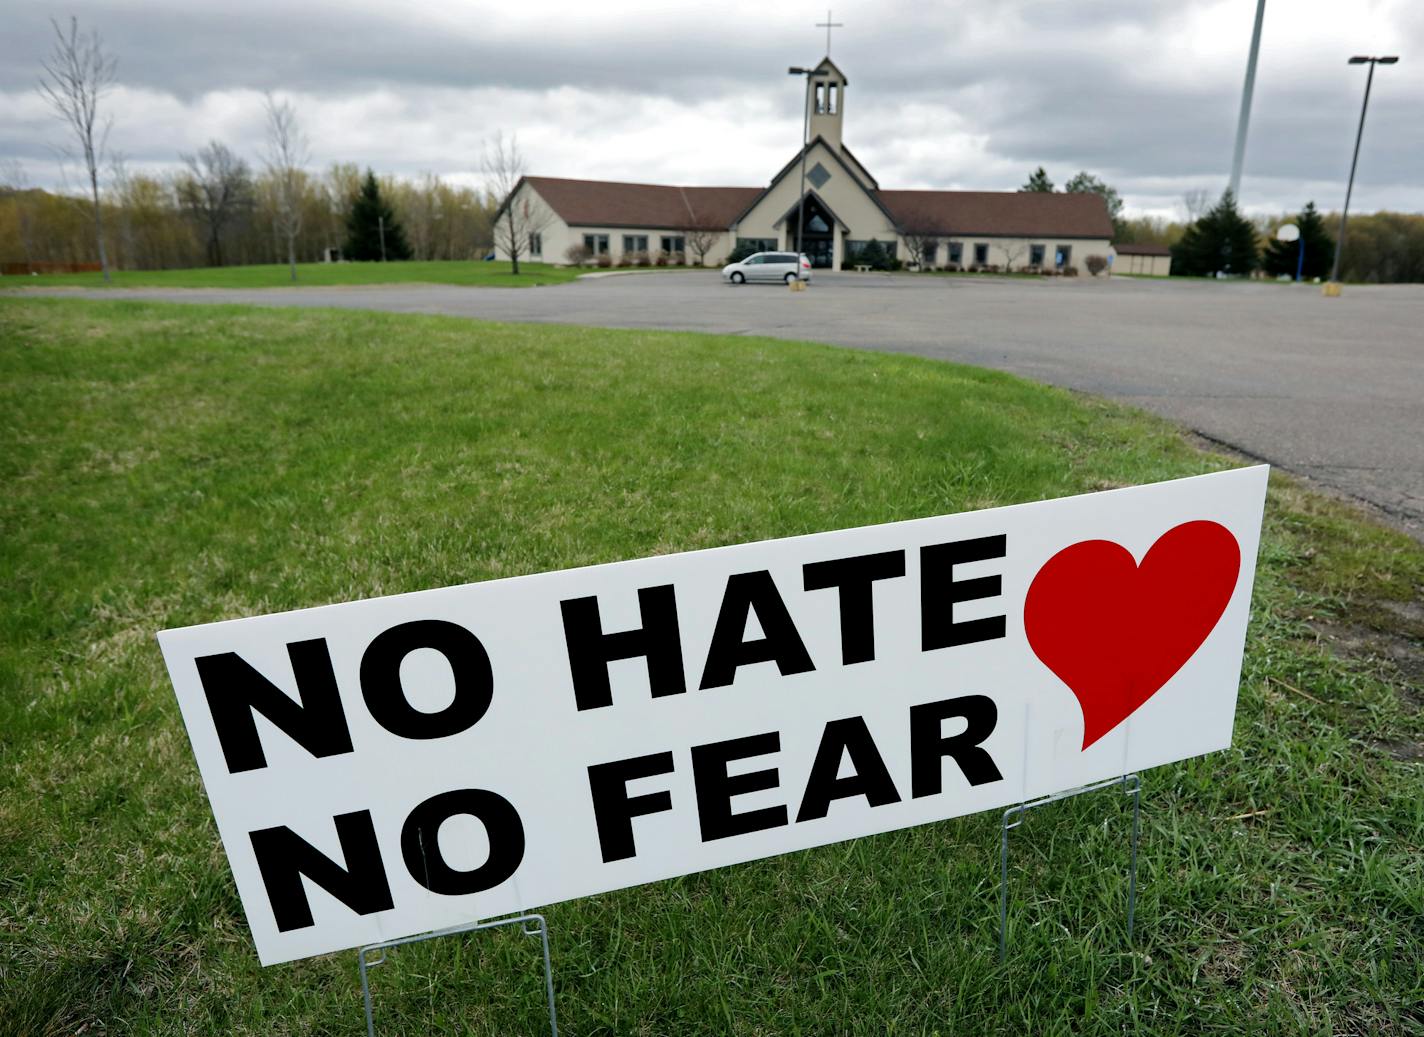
[{"x": 1144, "y": 93}]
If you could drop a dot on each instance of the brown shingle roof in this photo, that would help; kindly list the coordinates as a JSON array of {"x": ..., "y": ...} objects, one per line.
[
  {"x": 1000, "y": 213},
  {"x": 606, "y": 203},
  {"x": 1141, "y": 250}
]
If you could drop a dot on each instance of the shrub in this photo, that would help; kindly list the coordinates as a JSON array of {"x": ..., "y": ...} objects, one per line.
[
  {"x": 1070, "y": 271},
  {"x": 741, "y": 252},
  {"x": 662, "y": 258},
  {"x": 1096, "y": 264},
  {"x": 605, "y": 260},
  {"x": 992, "y": 268},
  {"x": 953, "y": 268},
  {"x": 679, "y": 259},
  {"x": 642, "y": 259},
  {"x": 577, "y": 255}
]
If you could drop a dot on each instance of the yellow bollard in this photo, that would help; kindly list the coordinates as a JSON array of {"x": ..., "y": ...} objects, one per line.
[
  {"x": 797, "y": 285},
  {"x": 1331, "y": 290}
]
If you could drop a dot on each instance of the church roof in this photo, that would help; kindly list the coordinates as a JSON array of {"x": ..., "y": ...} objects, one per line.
[
  {"x": 605, "y": 203},
  {"x": 828, "y": 65},
  {"x": 999, "y": 213},
  {"x": 1133, "y": 249}
]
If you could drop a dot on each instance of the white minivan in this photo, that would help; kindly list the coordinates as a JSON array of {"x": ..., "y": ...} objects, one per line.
[{"x": 769, "y": 266}]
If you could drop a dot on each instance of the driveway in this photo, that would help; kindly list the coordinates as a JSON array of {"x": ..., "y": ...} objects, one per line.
[{"x": 1331, "y": 389}]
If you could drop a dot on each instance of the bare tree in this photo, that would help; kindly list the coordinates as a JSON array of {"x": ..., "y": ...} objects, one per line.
[
  {"x": 287, "y": 153},
  {"x": 921, "y": 244},
  {"x": 216, "y": 189},
  {"x": 1013, "y": 252},
  {"x": 519, "y": 215},
  {"x": 1197, "y": 202},
  {"x": 699, "y": 241},
  {"x": 77, "y": 75}
]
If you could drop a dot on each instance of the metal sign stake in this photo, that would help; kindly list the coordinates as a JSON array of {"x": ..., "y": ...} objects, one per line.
[
  {"x": 1131, "y": 785},
  {"x": 531, "y": 925}
]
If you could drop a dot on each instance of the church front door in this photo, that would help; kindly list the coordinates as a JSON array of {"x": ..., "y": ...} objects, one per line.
[
  {"x": 819, "y": 248},
  {"x": 817, "y": 234}
]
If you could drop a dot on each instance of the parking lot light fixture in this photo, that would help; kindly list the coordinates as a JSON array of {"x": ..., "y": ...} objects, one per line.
[{"x": 1333, "y": 288}]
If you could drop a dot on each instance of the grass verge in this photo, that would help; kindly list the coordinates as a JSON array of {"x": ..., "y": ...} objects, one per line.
[
  {"x": 167, "y": 465},
  {"x": 278, "y": 275}
]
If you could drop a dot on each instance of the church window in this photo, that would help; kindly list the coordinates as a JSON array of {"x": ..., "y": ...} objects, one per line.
[
  {"x": 635, "y": 243},
  {"x": 820, "y": 98},
  {"x": 817, "y": 225},
  {"x": 536, "y": 244},
  {"x": 756, "y": 244},
  {"x": 674, "y": 243},
  {"x": 956, "y": 252},
  {"x": 832, "y": 90},
  {"x": 818, "y": 176},
  {"x": 981, "y": 253},
  {"x": 1035, "y": 255},
  {"x": 597, "y": 244}
]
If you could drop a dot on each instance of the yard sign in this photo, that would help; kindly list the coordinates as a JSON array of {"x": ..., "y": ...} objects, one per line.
[{"x": 387, "y": 767}]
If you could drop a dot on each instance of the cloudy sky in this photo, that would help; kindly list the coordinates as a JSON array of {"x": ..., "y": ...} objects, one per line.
[{"x": 971, "y": 94}]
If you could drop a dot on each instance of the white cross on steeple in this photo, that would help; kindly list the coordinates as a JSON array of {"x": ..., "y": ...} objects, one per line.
[{"x": 828, "y": 25}]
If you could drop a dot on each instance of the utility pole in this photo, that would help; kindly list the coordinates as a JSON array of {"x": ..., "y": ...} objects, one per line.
[
  {"x": 381, "y": 227},
  {"x": 1350, "y": 185},
  {"x": 1239, "y": 158},
  {"x": 796, "y": 70}
]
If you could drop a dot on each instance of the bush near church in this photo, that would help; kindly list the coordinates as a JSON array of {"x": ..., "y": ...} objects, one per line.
[{"x": 1096, "y": 264}]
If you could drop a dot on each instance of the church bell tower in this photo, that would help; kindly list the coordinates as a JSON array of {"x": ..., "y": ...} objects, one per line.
[{"x": 825, "y": 102}]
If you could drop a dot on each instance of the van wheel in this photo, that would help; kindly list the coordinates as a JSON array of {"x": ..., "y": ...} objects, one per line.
[
  {"x": 737, "y": 277},
  {"x": 790, "y": 278}
]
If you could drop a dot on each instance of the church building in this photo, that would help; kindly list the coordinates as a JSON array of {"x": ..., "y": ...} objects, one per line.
[{"x": 842, "y": 208}]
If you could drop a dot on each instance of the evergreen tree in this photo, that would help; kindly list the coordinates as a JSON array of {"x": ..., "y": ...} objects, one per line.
[
  {"x": 1087, "y": 183},
  {"x": 1222, "y": 240},
  {"x": 1038, "y": 182},
  {"x": 1281, "y": 256},
  {"x": 364, "y": 225},
  {"x": 874, "y": 255}
]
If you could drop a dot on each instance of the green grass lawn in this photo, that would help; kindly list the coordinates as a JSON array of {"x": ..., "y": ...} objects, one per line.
[
  {"x": 278, "y": 275},
  {"x": 168, "y": 465}
]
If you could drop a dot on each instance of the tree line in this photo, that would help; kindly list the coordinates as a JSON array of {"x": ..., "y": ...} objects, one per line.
[
  {"x": 218, "y": 211},
  {"x": 220, "y": 208},
  {"x": 1381, "y": 247}
]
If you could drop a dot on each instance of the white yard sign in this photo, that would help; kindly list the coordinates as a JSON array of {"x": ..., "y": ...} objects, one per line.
[{"x": 387, "y": 767}]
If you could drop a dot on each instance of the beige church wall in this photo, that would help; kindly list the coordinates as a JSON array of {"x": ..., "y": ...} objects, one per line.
[
  {"x": 1156, "y": 266},
  {"x": 846, "y": 198},
  {"x": 715, "y": 256},
  {"x": 555, "y": 232},
  {"x": 559, "y": 237},
  {"x": 1014, "y": 251}
]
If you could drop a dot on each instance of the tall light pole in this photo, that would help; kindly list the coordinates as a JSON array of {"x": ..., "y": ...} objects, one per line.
[
  {"x": 1239, "y": 157},
  {"x": 1350, "y": 186},
  {"x": 796, "y": 70}
]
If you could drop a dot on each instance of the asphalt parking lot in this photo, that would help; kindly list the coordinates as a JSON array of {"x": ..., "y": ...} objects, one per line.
[{"x": 1331, "y": 389}]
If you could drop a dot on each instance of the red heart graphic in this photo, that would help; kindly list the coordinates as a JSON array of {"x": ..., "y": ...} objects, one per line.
[{"x": 1115, "y": 631}]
